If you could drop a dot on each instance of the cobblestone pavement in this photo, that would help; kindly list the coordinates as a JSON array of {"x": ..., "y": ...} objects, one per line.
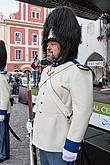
[{"x": 19, "y": 152}]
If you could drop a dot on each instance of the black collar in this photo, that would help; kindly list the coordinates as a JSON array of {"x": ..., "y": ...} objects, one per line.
[{"x": 57, "y": 63}]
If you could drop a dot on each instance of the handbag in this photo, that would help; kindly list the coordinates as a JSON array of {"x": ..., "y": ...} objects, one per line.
[{"x": 33, "y": 65}]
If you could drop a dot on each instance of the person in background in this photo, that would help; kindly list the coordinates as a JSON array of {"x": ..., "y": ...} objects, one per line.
[
  {"x": 64, "y": 103},
  {"x": 5, "y": 105},
  {"x": 10, "y": 77},
  {"x": 36, "y": 70}
]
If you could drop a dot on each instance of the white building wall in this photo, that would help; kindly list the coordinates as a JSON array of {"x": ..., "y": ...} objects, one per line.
[
  {"x": 90, "y": 44},
  {"x": 2, "y": 31}
]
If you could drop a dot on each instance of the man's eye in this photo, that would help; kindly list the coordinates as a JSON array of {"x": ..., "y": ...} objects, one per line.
[{"x": 53, "y": 43}]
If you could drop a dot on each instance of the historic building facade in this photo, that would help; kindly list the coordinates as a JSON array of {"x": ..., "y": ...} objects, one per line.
[
  {"x": 22, "y": 33},
  {"x": 95, "y": 47}
]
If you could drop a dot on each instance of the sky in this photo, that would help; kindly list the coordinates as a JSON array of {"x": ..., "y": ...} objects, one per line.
[{"x": 8, "y": 6}]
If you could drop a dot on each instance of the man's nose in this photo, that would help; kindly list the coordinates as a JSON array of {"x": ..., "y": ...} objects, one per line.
[{"x": 48, "y": 47}]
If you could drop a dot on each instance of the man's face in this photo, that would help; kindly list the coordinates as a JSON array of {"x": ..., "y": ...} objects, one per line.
[{"x": 53, "y": 50}]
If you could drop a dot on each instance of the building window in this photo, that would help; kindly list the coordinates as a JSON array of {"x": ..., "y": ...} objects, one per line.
[
  {"x": 17, "y": 36},
  {"x": 34, "y": 53},
  {"x": 34, "y": 39},
  {"x": 18, "y": 55},
  {"x": 35, "y": 14}
]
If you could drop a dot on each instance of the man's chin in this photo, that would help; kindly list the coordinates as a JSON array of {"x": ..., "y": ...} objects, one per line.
[{"x": 50, "y": 58}]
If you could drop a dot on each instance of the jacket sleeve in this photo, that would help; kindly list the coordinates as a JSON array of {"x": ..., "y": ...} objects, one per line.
[{"x": 81, "y": 89}]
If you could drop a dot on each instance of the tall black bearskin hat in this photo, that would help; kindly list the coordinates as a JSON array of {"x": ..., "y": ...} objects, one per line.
[
  {"x": 62, "y": 26},
  {"x": 3, "y": 55}
]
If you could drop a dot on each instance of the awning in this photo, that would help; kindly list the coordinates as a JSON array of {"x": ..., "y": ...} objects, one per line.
[{"x": 90, "y": 9}]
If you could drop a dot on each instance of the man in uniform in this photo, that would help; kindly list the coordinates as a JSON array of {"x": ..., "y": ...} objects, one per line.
[
  {"x": 65, "y": 98},
  {"x": 5, "y": 106}
]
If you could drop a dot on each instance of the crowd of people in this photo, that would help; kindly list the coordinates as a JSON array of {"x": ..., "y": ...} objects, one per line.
[{"x": 14, "y": 80}]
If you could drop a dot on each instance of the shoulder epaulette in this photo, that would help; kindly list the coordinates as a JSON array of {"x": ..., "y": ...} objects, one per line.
[
  {"x": 3, "y": 72},
  {"x": 80, "y": 66},
  {"x": 83, "y": 67}
]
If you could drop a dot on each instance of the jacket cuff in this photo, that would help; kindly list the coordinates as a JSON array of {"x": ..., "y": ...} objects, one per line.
[
  {"x": 72, "y": 146},
  {"x": 3, "y": 112}
]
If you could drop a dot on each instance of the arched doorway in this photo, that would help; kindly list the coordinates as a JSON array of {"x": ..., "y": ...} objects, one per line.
[{"x": 97, "y": 63}]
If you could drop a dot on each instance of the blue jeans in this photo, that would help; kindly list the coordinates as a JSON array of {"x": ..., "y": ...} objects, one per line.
[
  {"x": 4, "y": 141},
  {"x": 52, "y": 158}
]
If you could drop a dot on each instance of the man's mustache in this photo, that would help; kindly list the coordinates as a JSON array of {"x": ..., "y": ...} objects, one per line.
[{"x": 50, "y": 56}]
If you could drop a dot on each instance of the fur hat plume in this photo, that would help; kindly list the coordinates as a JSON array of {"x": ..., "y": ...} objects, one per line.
[{"x": 62, "y": 26}]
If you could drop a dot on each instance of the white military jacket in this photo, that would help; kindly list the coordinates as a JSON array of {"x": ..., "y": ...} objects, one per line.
[
  {"x": 4, "y": 93},
  {"x": 74, "y": 88}
]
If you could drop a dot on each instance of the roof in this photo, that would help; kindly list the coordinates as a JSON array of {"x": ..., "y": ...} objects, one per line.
[{"x": 90, "y": 9}]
